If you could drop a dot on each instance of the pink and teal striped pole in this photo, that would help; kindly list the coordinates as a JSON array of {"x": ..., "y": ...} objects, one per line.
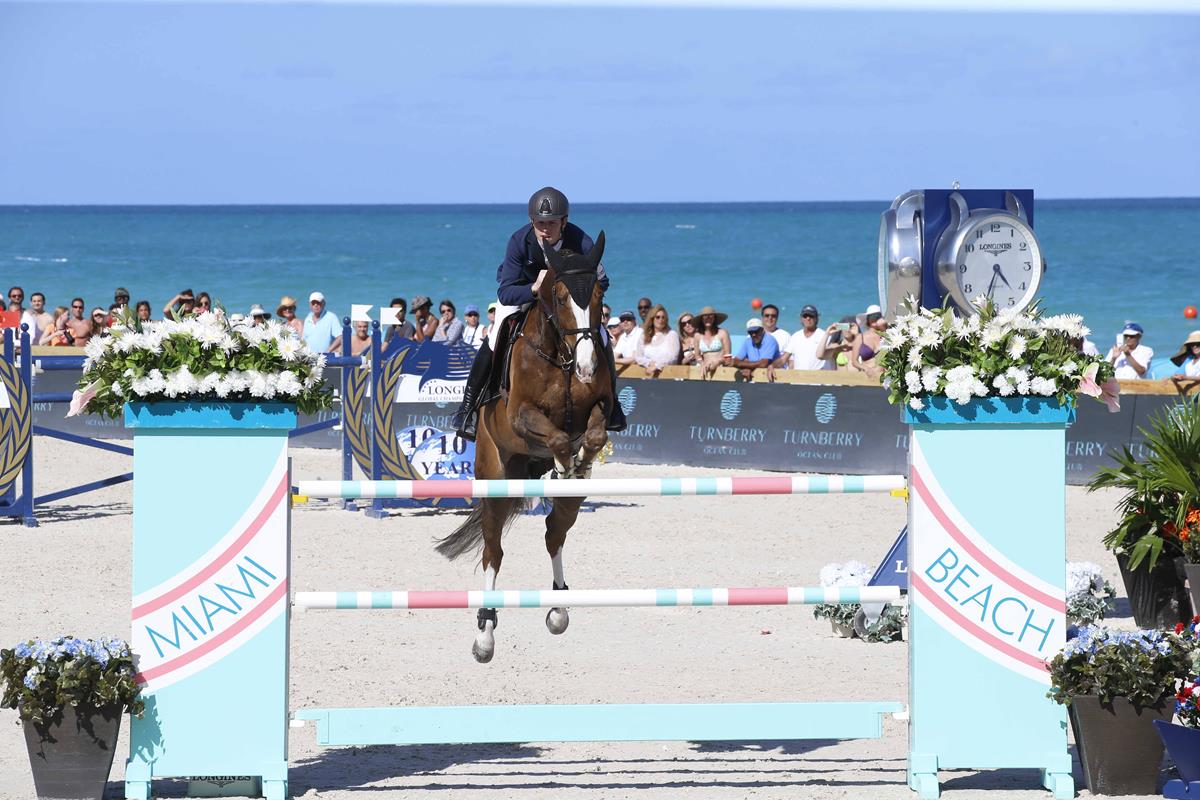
[
  {"x": 599, "y": 598},
  {"x": 606, "y": 487}
]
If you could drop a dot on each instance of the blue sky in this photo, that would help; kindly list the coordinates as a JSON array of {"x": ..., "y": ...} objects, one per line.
[{"x": 379, "y": 103}]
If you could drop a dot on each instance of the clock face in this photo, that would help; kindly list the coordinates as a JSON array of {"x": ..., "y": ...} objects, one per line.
[{"x": 999, "y": 259}]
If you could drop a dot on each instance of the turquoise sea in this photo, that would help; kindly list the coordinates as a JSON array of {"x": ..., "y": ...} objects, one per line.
[{"x": 1110, "y": 260}]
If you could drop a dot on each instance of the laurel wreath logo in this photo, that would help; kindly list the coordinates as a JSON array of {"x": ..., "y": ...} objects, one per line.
[{"x": 16, "y": 426}]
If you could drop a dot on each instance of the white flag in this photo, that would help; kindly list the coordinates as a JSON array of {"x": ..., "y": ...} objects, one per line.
[
  {"x": 389, "y": 316},
  {"x": 360, "y": 313}
]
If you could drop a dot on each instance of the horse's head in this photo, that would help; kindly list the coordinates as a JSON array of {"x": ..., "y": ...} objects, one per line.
[{"x": 571, "y": 297}]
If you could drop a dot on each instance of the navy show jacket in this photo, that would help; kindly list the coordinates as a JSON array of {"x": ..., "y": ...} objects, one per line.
[{"x": 523, "y": 260}]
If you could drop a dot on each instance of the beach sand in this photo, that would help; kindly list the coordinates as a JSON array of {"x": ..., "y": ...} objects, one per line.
[{"x": 72, "y": 575}]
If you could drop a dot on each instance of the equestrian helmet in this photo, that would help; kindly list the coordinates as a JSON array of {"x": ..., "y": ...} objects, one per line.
[{"x": 548, "y": 203}]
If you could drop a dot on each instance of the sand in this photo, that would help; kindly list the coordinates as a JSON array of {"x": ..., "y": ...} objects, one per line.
[{"x": 71, "y": 575}]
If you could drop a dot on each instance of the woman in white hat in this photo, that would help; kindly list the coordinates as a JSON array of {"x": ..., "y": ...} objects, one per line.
[{"x": 1188, "y": 357}]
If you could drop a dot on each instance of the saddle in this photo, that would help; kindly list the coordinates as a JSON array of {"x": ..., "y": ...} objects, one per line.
[{"x": 500, "y": 378}]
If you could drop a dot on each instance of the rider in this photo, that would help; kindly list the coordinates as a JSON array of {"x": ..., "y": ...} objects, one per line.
[{"x": 520, "y": 277}]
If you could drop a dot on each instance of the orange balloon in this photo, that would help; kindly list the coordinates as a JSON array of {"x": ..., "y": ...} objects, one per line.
[
  {"x": 1190, "y": 312},
  {"x": 756, "y": 304}
]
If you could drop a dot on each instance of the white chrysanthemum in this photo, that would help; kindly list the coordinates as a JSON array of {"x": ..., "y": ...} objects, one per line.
[
  {"x": 211, "y": 336},
  {"x": 930, "y": 337},
  {"x": 1043, "y": 386},
  {"x": 208, "y": 383},
  {"x": 912, "y": 381},
  {"x": 916, "y": 404},
  {"x": 914, "y": 357},
  {"x": 289, "y": 384},
  {"x": 929, "y": 379},
  {"x": 991, "y": 334},
  {"x": 1016, "y": 346},
  {"x": 1005, "y": 385},
  {"x": 290, "y": 348},
  {"x": 1069, "y": 368}
]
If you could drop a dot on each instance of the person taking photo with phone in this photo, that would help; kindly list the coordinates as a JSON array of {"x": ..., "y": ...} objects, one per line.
[{"x": 807, "y": 347}]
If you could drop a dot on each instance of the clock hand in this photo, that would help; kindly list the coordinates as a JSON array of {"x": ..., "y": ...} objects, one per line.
[
  {"x": 1001, "y": 276},
  {"x": 991, "y": 286}
]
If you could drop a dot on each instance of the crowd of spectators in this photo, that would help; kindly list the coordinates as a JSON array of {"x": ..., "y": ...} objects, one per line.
[{"x": 649, "y": 338}]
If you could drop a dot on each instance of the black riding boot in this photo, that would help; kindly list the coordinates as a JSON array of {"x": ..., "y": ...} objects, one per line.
[
  {"x": 466, "y": 419},
  {"x": 616, "y": 418}
]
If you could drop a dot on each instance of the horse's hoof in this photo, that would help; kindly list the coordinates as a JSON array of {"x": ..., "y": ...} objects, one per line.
[
  {"x": 557, "y": 620},
  {"x": 483, "y": 654}
]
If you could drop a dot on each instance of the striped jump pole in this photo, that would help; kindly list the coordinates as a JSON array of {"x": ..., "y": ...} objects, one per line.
[
  {"x": 599, "y": 598},
  {"x": 606, "y": 487}
]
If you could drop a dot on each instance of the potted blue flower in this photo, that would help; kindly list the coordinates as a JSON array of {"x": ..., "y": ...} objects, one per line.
[
  {"x": 1117, "y": 683},
  {"x": 70, "y": 694}
]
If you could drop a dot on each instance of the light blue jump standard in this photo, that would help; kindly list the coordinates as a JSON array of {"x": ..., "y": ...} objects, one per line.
[
  {"x": 987, "y": 554},
  {"x": 211, "y": 499}
]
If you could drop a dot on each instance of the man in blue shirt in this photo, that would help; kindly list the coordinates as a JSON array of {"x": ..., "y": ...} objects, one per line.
[
  {"x": 320, "y": 327},
  {"x": 756, "y": 351},
  {"x": 520, "y": 276}
]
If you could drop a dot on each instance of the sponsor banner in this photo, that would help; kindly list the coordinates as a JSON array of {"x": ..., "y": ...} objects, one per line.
[
  {"x": 432, "y": 372},
  {"x": 832, "y": 429}
]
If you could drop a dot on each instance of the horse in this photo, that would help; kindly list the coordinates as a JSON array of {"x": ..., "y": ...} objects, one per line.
[{"x": 553, "y": 417}]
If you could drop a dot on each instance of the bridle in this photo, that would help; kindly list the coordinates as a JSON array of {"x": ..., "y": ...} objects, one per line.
[
  {"x": 564, "y": 353},
  {"x": 564, "y": 356}
]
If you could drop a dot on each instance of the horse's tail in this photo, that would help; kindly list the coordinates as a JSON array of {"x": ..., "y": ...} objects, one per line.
[{"x": 468, "y": 536}]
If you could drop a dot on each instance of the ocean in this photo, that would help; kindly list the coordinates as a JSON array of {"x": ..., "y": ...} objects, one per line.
[{"x": 1110, "y": 260}]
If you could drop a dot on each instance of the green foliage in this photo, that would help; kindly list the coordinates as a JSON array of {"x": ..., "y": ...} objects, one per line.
[
  {"x": 1142, "y": 666},
  {"x": 42, "y": 677},
  {"x": 1160, "y": 510}
]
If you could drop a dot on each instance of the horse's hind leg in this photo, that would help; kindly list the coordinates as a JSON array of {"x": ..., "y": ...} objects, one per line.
[
  {"x": 495, "y": 514},
  {"x": 560, "y": 519}
]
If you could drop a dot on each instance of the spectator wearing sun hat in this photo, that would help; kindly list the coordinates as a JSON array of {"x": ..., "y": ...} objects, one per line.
[
  {"x": 425, "y": 324},
  {"x": 1130, "y": 358},
  {"x": 286, "y": 311},
  {"x": 757, "y": 350},
  {"x": 1188, "y": 357},
  {"x": 321, "y": 327},
  {"x": 258, "y": 315}
]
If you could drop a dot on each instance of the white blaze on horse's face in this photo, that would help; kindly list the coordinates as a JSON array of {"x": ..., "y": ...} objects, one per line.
[{"x": 585, "y": 351}]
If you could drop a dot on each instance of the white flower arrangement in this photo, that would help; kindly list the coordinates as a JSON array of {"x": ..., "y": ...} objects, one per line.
[
  {"x": 932, "y": 352},
  {"x": 1089, "y": 594},
  {"x": 199, "y": 358}
]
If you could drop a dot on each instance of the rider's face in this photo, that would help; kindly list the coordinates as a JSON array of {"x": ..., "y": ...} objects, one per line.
[{"x": 549, "y": 230}]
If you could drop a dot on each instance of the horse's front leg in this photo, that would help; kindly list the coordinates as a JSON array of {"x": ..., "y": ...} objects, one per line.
[
  {"x": 560, "y": 519},
  {"x": 534, "y": 426},
  {"x": 594, "y": 439}
]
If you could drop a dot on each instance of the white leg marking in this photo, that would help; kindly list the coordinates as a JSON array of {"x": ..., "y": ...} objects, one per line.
[
  {"x": 557, "y": 618},
  {"x": 485, "y": 642}
]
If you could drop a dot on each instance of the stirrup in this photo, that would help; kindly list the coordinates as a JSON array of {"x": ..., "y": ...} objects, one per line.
[{"x": 468, "y": 426}]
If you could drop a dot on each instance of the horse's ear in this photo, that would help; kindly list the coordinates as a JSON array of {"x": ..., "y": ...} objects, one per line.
[
  {"x": 553, "y": 258},
  {"x": 597, "y": 251}
]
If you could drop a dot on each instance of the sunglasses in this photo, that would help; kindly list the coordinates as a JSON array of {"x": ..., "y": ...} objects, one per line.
[
  {"x": 472, "y": 313},
  {"x": 98, "y": 316},
  {"x": 688, "y": 321},
  {"x": 643, "y": 308},
  {"x": 78, "y": 307},
  {"x": 15, "y": 296},
  {"x": 287, "y": 308}
]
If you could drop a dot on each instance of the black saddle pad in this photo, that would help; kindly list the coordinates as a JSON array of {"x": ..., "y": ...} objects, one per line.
[{"x": 502, "y": 356}]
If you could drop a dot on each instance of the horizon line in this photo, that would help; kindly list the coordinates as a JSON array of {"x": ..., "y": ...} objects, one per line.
[{"x": 520, "y": 203}]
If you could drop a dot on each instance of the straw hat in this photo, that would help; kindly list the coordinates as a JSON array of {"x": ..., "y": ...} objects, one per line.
[
  {"x": 709, "y": 310},
  {"x": 287, "y": 301},
  {"x": 1193, "y": 338}
]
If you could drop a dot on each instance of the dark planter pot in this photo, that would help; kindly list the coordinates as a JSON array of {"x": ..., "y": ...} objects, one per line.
[
  {"x": 1157, "y": 596},
  {"x": 1118, "y": 744},
  {"x": 1193, "y": 581},
  {"x": 72, "y": 753},
  {"x": 1183, "y": 745}
]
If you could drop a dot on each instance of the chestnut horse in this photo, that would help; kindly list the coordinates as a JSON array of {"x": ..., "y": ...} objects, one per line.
[{"x": 554, "y": 417}]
